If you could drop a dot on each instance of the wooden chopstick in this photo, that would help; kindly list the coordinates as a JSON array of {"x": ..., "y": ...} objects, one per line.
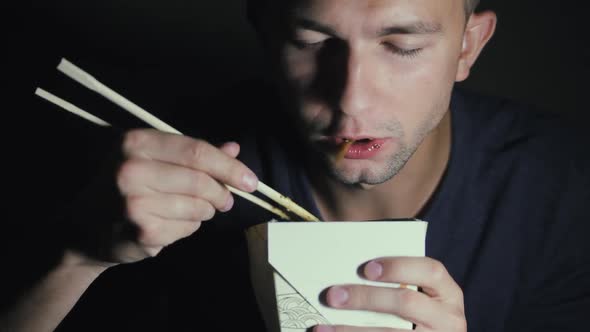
[
  {"x": 91, "y": 83},
  {"x": 286, "y": 202},
  {"x": 70, "y": 107}
]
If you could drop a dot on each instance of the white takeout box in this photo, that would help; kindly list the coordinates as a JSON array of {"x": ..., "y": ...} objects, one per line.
[{"x": 292, "y": 263}]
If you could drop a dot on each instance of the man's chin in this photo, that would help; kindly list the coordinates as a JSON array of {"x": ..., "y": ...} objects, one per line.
[
  {"x": 362, "y": 178},
  {"x": 351, "y": 172},
  {"x": 361, "y": 173}
]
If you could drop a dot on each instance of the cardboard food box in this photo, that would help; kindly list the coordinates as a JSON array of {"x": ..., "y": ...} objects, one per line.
[{"x": 292, "y": 263}]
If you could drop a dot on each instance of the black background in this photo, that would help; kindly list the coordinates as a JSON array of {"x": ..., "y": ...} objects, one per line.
[
  {"x": 158, "y": 52},
  {"x": 155, "y": 51}
]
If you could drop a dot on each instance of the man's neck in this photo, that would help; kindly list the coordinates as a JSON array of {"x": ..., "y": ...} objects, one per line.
[{"x": 403, "y": 196}]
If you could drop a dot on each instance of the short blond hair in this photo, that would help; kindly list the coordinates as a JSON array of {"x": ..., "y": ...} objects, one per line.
[
  {"x": 470, "y": 6},
  {"x": 255, "y": 7}
]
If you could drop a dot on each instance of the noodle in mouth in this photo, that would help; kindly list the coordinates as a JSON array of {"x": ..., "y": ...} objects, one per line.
[{"x": 343, "y": 149}]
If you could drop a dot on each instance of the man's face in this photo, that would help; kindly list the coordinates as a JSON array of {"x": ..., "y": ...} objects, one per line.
[{"x": 379, "y": 72}]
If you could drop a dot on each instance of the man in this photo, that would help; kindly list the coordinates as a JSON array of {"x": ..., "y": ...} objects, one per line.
[{"x": 503, "y": 190}]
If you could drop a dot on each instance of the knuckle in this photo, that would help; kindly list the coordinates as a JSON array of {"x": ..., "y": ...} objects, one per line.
[
  {"x": 197, "y": 181},
  {"x": 178, "y": 207},
  {"x": 206, "y": 212},
  {"x": 134, "y": 209},
  {"x": 361, "y": 297},
  {"x": 133, "y": 139},
  {"x": 191, "y": 228},
  {"x": 227, "y": 196},
  {"x": 148, "y": 234},
  {"x": 408, "y": 300},
  {"x": 236, "y": 167},
  {"x": 218, "y": 202},
  {"x": 197, "y": 151},
  {"x": 457, "y": 322},
  {"x": 196, "y": 211},
  {"x": 126, "y": 173},
  {"x": 437, "y": 270},
  {"x": 200, "y": 210},
  {"x": 372, "y": 302},
  {"x": 460, "y": 295}
]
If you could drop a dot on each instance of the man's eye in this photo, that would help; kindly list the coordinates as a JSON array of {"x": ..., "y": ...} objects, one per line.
[
  {"x": 306, "y": 44},
  {"x": 404, "y": 52}
]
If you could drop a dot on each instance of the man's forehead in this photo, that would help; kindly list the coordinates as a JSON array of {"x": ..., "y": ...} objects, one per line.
[
  {"x": 372, "y": 4},
  {"x": 377, "y": 13}
]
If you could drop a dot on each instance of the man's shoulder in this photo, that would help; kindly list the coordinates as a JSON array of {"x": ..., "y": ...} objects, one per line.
[{"x": 501, "y": 125}]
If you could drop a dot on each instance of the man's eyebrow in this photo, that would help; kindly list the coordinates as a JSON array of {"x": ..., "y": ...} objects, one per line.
[
  {"x": 418, "y": 28},
  {"x": 315, "y": 26},
  {"x": 403, "y": 29}
]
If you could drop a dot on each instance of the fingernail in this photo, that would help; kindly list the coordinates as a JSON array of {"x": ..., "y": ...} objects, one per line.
[
  {"x": 324, "y": 328},
  {"x": 337, "y": 296},
  {"x": 373, "y": 270},
  {"x": 250, "y": 181},
  {"x": 229, "y": 204}
]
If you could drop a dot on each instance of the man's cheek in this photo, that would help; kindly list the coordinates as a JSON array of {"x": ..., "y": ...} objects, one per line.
[
  {"x": 300, "y": 70},
  {"x": 314, "y": 114}
]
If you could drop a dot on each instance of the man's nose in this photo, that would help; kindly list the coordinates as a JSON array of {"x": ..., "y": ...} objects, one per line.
[{"x": 355, "y": 96}]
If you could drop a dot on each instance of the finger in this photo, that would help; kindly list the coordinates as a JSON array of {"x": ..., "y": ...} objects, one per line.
[
  {"x": 169, "y": 207},
  {"x": 153, "y": 251},
  {"x": 157, "y": 233},
  {"x": 232, "y": 149},
  {"x": 343, "y": 328},
  {"x": 129, "y": 251},
  {"x": 405, "y": 303},
  {"x": 425, "y": 272},
  {"x": 154, "y": 232},
  {"x": 147, "y": 177},
  {"x": 189, "y": 152}
]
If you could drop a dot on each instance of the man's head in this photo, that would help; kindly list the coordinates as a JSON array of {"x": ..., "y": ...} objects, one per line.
[{"x": 376, "y": 71}]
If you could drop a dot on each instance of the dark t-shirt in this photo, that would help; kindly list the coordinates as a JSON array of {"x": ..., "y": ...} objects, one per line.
[{"x": 509, "y": 220}]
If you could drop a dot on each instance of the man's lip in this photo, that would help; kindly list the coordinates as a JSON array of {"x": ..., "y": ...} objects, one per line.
[
  {"x": 365, "y": 149},
  {"x": 341, "y": 139}
]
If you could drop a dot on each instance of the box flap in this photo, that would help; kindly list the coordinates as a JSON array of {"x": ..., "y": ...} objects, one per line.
[{"x": 310, "y": 257}]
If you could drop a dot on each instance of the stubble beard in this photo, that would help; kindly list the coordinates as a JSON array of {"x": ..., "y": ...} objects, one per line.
[
  {"x": 376, "y": 174},
  {"x": 373, "y": 175},
  {"x": 370, "y": 176}
]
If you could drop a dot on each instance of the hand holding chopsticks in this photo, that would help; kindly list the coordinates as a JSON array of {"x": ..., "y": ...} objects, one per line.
[{"x": 90, "y": 82}]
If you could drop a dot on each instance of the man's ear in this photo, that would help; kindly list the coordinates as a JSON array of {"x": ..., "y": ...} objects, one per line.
[{"x": 479, "y": 30}]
